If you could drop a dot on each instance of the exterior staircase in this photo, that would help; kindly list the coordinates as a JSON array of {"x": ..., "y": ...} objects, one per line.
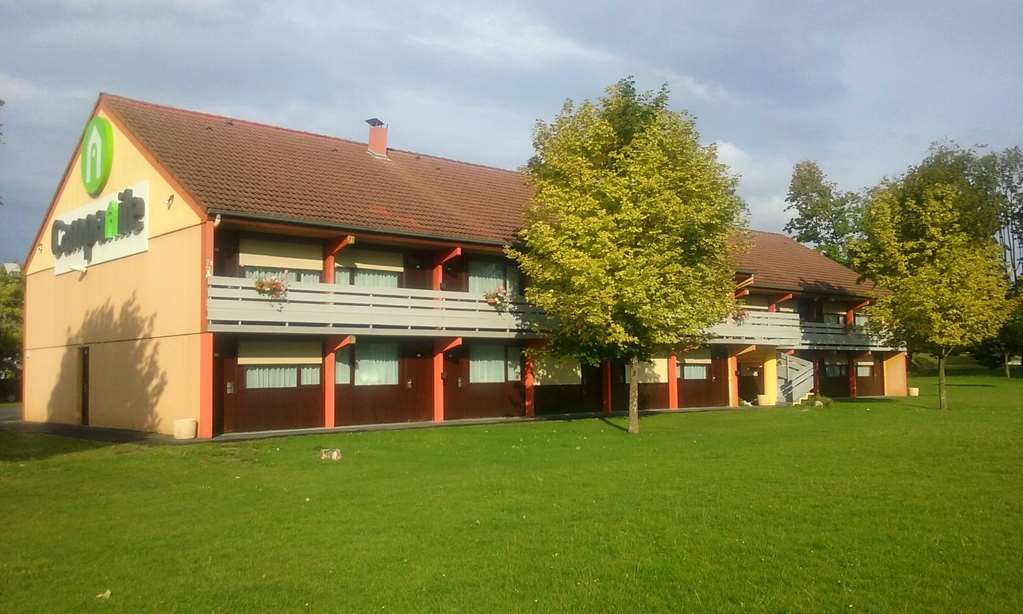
[{"x": 795, "y": 379}]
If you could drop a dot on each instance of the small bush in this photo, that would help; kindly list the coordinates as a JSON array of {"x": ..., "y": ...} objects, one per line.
[
  {"x": 817, "y": 400},
  {"x": 923, "y": 364}
]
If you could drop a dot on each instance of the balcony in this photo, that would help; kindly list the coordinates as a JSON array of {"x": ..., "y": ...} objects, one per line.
[
  {"x": 785, "y": 330},
  {"x": 234, "y": 305}
]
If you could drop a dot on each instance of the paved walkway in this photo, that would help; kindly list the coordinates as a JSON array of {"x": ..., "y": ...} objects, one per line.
[{"x": 10, "y": 413}]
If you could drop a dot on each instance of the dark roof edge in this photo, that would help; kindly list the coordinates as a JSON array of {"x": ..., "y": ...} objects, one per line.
[{"x": 268, "y": 217}]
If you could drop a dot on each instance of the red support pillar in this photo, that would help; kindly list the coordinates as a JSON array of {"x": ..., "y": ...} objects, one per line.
[
  {"x": 330, "y": 252},
  {"x": 528, "y": 382},
  {"x": 733, "y": 380},
  {"x": 437, "y": 279},
  {"x": 816, "y": 373},
  {"x": 852, "y": 374},
  {"x": 605, "y": 386},
  {"x": 206, "y": 358},
  {"x": 330, "y": 347},
  {"x": 440, "y": 346},
  {"x": 672, "y": 381},
  {"x": 206, "y": 391}
]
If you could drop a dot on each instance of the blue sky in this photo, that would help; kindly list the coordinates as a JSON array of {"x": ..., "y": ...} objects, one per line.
[{"x": 861, "y": 87}]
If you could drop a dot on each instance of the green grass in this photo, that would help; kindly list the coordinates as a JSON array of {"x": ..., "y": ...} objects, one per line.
[{"x": 875, "y": 505}]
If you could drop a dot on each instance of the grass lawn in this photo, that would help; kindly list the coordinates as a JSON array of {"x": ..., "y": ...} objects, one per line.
[{"x": 873, "y": 505}]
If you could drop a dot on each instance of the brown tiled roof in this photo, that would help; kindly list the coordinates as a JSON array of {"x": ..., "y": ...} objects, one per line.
[
  {"x": 781, "y": 263},
  {"x": 243, "y": 167},
  {"x": 232, "y": 165}
]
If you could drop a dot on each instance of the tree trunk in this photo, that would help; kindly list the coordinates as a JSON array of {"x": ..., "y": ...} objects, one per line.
[
  {"x": 634, "y": 395},
  {"x": 942, "y": 401},
  {"x": 1005, "y": 361}
]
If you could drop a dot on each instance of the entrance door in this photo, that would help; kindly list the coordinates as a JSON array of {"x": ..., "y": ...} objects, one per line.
[
  {"x": 750, "y": 376},
  {"x": 83, "y": 358}
]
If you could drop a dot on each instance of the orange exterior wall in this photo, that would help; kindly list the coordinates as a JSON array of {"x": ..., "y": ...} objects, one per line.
[
  {"x": 895, "y": 383},
  {"x": 141, "y": 316}
]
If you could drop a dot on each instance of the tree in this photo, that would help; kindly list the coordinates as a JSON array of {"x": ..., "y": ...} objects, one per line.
[
  {"x": 998, "y": 350},
  {"x": 12, "y": 296},
  {"x": 629, "y": 238},
  {"x": 928, "y": 241},
  {"x": 1008, "y": 166},
  {"x": 825, "y": 217}
]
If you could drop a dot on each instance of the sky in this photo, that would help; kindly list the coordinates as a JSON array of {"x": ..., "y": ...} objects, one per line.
[{"x": 863, "y": 88}]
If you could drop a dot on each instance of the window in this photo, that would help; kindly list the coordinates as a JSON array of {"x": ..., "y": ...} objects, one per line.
[
  {"x": 489, "y": 275},
  {"x": 695, "y": 372},
  {"x": 486, "y": 363},
  {"x": 270, "y": 377},
  {"x": 376, "y": 364},
  {"x": 513, "y": 363},
  {"x": 310, "y": 375},
  {"x": 343, "y": 366},
  {"x": 368, "y": 278},
  {"x": 291, "y": 276},
  {"x": 864, "y": 370},
  {"x": 835, "y": 370},
  {"x": 834, "y": 318},
  {"x": 861, "y": 319}
]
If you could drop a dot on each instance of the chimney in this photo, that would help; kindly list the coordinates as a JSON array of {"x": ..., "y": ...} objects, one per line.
[{"x": 377, "y": 137}]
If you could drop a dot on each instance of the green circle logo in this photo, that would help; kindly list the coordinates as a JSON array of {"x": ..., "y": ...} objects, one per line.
[{"x": 96, "y": 153}]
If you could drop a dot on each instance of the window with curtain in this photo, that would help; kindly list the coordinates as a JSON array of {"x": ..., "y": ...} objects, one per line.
[
  {"x": 343, "y": 366},
  {"x": 292, "y": 276},
  {"x": 270, "y": 377},
  {"x": 485, "y": 276},
  {"x": 310, "y": 375},
  {"x": 369, "y": 278},
  {"x": 695, "y": 372},
  {"x": 486, "y": 363},
  {"x": 513, "y": 363},
  {"x": 513, "y": 279},
  {"x": 864, "y": 370},
  {"x": 376, "y": 364},
  {"x": 835, "y": 370},
  {"x": 834, "y": 318},
  {"x": 861, "y": 319},
  {"x": 343, "y": 276},
  {"x": 252, "y": 272}
]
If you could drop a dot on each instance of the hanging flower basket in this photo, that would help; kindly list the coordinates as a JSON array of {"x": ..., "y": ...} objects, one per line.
[
  {"x": 272, "y": 286},
  {"x": 498, "y": 298}
]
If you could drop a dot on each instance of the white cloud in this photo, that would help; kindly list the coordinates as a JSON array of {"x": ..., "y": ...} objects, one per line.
[
  {"x": 13, "y": 89},
  {"x": 763, "y": 184}
]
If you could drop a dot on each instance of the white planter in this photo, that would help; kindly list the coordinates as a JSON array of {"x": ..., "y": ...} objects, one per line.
[
  {"x": 185, "y": 428},
  {"x": 762, "y": 399},
  {"x": 914, "y": 392}
]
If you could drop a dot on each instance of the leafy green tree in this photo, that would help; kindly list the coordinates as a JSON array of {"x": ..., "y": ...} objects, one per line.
[
  {"x": 825, "y": 217},
  {"x": 929, "y": 242},
  {"x": 629, "y": 239},
  {"x": 12, "y": 297},
  {"x": 999, "y": 350}
]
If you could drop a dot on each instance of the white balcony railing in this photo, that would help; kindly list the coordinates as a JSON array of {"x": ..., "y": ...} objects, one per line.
[
  {"x": 785, "y": 330},
  {"x": 234, "y": 305}
]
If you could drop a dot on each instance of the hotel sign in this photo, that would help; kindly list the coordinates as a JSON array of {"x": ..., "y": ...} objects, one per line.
[{"x": 110, "y": 227}]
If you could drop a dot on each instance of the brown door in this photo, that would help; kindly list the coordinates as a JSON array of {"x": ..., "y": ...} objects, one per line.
[
  {"x": 84, "y": 359},
  {"x": 750, "y": 376},
  {"x": 417, "y": 378}
]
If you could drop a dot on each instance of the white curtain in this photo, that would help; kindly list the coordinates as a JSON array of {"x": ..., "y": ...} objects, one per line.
[
  {"x": 309, "y": 277},
  {"x": 271, "y": 377},
  {"x": 343, "y": 366},
  {"x": 486, "y": 363},
  {"x": 485, "y": 276},
  {"x": 694, "y": 371},
  {"x": 310, "y": 376},
  {"x": 376, "y": 364},
  {"x": 256, "y": 273},
  {"x": 342, "y": 276},
  {"x": 368, "y": 278},
  {"x": 513, "y": 358}
]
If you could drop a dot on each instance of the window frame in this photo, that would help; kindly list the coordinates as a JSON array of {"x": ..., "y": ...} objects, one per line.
[{"x": 245, "y": 376}]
